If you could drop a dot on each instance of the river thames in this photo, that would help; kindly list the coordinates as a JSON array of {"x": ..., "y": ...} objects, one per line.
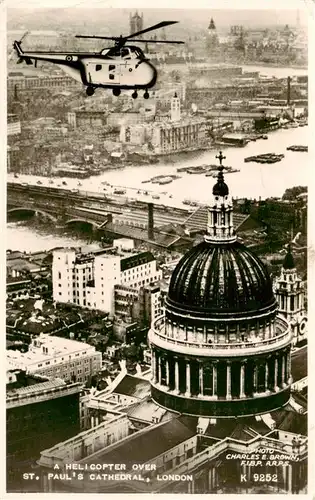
[{"x": 253, "y": 181}]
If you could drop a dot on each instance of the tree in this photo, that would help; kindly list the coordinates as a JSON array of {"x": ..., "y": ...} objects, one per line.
[{"x": 292, "y": 193}]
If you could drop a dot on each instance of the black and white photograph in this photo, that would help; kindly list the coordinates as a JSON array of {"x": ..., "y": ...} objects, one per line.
[{"x": 156, "y": 244}]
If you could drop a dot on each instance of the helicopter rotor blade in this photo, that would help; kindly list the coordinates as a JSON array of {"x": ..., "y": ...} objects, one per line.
[
  {"x": 155, "y": 27},
  {"x": 99, "y": 37},
  {"x": 157, "y": 41},
  {"x": 123, "y": 39}
]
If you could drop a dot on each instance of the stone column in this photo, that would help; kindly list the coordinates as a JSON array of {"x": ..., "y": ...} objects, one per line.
[
  {"x": 255, "y": 378},
  {"x": 289, "y": 367},
  {"x": 214, "y": 379},
  {"x": 92, "y": 422},
  {"x": 228, "y": 380},
  {"x": 188, "y": 388},
  {"x": 210, "y": 479},
  {"x": 284, "y": 472},
  {"x": 276, "y": 388},
  {"x": 283, "y": 370},
  {"x": 167, "y": 367},
  {"x": 176, "y": 376},
  {"x": 266, "y": 376},
  {"x": 242, "y": 381},
  {"x": 200, "y": 379},
  {"x": 159, "y": 371},
  {"x": 154, "y": 367},
  {"x": 290, "y": 478}
]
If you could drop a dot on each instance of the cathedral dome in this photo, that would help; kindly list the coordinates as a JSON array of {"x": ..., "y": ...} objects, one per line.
[
  {"x": 216, "y": 281},
  {"x": 220, "y": 350}
]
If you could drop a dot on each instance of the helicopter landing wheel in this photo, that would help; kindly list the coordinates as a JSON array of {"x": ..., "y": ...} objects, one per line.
[
  {"x": 116, "y": 92},
  {"x": 90, "y": 91},
  {"x": 146, "y": 95},
  {"x": 134, "y": 95}
]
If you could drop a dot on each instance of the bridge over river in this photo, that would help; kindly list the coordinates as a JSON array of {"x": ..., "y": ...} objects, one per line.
[{"x": 83, "y": 207}]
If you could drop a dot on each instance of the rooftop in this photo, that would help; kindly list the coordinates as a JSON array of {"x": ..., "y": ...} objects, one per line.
[
  {"x": 133, "y": 386},
  {"x": 36, "y": 387},
  {"x": 56, "y": 346},
  {"x": 160, "y": 239},
  {"x": 136, "y": 260},
  {"x": 199, "y": 219},
  {"x": 145, "y": 445},
  {"x": 146, "y": 411}
]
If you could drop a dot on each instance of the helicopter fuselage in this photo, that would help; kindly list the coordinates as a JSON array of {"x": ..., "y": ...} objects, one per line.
[{"x": 125, "y": 68}]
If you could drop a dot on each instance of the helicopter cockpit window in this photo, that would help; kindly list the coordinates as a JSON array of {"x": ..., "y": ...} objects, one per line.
[
  {"x": 125, "y": 53},
  {"x": 114, "y": 52},
  {"x": 98, "y": 67}
]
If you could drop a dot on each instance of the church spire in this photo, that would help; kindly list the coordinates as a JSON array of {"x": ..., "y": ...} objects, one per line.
[
  {"x": 211, "y": 25},
  {"x": 288, "y": 262},
  {"x": 220, "y": 211}
]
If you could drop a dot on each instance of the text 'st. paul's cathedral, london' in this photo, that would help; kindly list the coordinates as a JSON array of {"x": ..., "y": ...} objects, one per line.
[
  {"x": 222, "y": 349},
  {"x": 219, "y": 411}
]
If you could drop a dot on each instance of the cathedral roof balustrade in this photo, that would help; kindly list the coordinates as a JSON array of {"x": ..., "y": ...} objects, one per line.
[{"x": 158, "y": 337}]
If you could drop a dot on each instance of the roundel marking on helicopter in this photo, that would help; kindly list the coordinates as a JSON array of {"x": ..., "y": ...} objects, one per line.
[
  {"x": 130, "y": 69},
  {"x": 69, "y": 58}
]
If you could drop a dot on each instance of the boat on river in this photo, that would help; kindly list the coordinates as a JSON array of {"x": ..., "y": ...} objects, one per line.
[
  {"x": 297, "y": 148},
  {"x": 264, "y": 158}
]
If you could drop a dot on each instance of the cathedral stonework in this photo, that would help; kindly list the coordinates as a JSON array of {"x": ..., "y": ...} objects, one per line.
[{"x": 221, "y": 349}]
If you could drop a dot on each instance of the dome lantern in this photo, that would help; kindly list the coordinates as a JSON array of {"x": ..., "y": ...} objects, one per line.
[{"x": 220, "y": 227}]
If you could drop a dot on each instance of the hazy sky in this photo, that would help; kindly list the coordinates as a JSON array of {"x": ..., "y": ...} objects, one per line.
[{"x": 175, "y": 4}]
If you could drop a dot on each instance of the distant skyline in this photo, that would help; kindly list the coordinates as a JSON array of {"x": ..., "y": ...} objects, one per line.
[{"x": 117, "y": 19}]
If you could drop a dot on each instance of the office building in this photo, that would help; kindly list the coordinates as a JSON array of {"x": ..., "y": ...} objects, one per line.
[
  {"x": 52, "y": 356},
  {"x": 88, "y": 279}
]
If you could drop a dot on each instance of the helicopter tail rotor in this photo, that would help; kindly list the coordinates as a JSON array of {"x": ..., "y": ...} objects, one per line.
[{"x": 17, "y": 47}]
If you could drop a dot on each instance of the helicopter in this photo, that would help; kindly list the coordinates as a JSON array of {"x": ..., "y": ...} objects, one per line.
[{"x": 119, "y": 67}]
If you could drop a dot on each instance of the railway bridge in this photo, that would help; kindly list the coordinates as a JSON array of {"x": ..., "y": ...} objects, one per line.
[{"x": 82, "y": 207}]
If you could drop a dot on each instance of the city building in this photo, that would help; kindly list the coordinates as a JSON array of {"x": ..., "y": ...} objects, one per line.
[
  {"x": 52, "y": 356},
  {"x": 87, "y": 118},
  {"x": 13, "y": 125},
  {"x": 135, "y": 22},
  {"x": 171, "y": 137},
  {"x": 89, "y": 279},
  {"x": 142, "y": 305},
  {"x": 30, "y": 82},
  {"x": 118, "y": 119},
  {"x": 40, "y": 412},
  {"x": 165, "y": 94},
  {"x": 289, "y": 292}
]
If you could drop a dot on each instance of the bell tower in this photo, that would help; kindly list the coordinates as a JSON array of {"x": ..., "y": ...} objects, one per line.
[
  {"x": 289, "y": 292},
  {"x": 175, "y": 108}
]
